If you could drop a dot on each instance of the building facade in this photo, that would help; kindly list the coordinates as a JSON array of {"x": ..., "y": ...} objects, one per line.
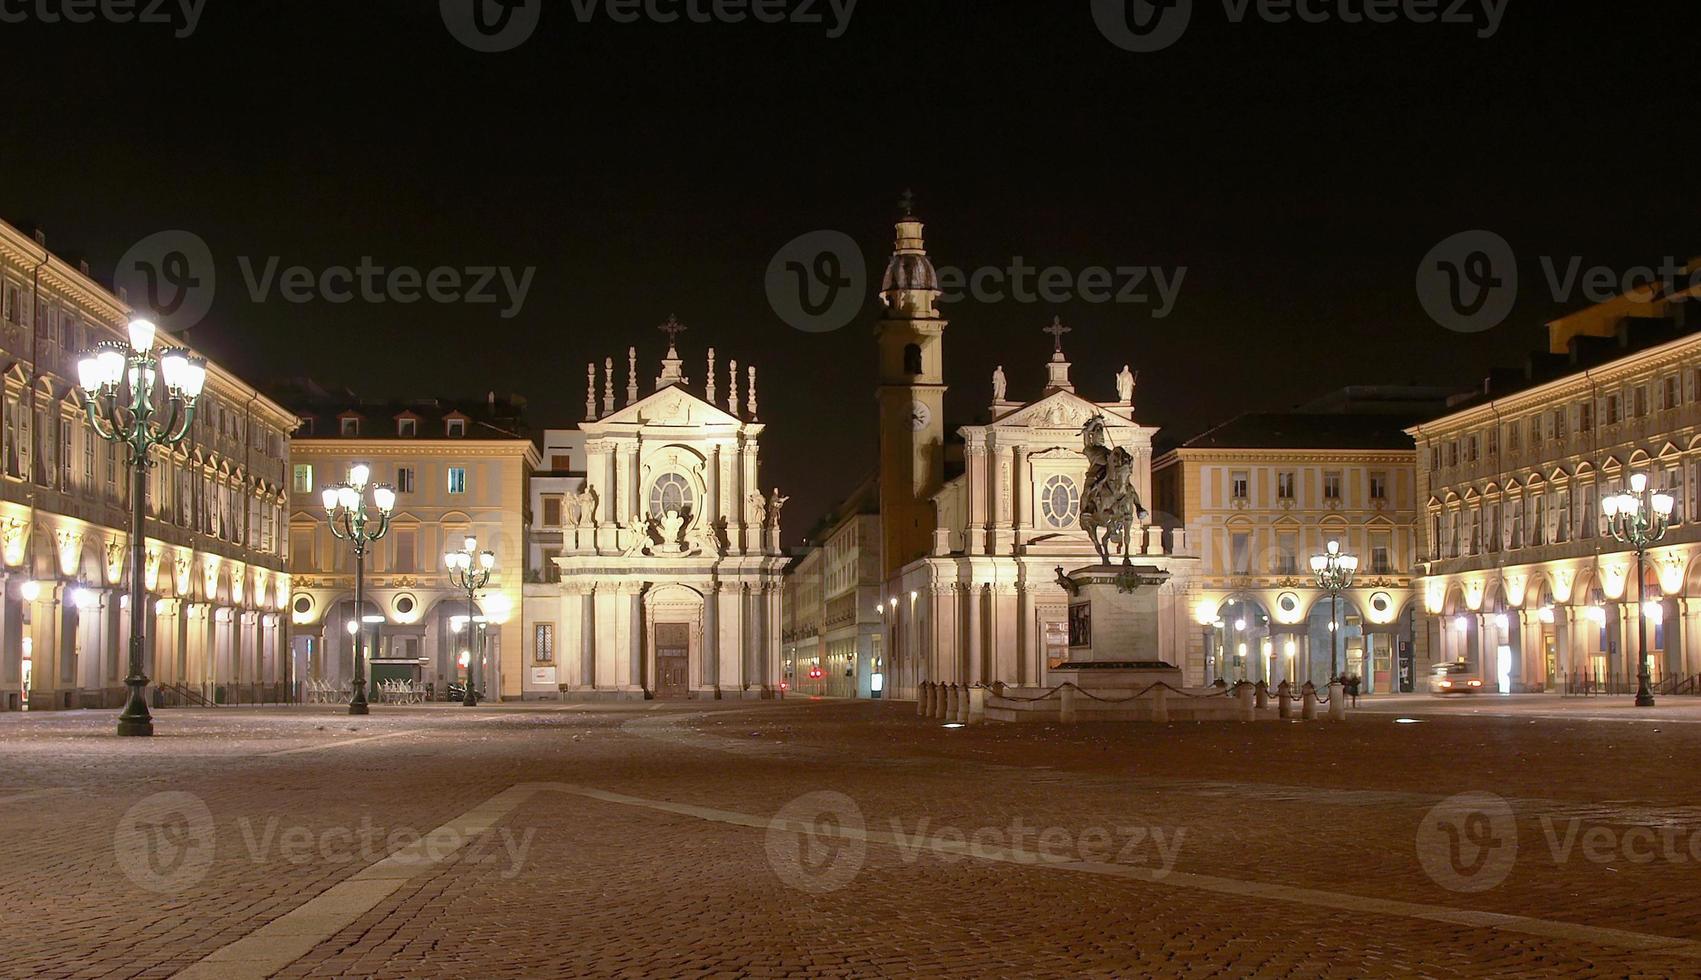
[
  {"x": 459, "y": 469},
  {"x": 215, "y": 573},
  {"x": 970, "y": 590},
  {"x": 671, "y": 577},
  {"x": 839, "y": 625},
  {"x": 1262, "y": 494},
  {"x": 1523, "y": 581}
]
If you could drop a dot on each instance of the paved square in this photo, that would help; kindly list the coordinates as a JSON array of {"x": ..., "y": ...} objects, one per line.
[{"x": 1506, "y": 837}]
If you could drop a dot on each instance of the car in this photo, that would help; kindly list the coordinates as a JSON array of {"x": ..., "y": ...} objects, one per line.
[{"x": 1454, "y": 679}]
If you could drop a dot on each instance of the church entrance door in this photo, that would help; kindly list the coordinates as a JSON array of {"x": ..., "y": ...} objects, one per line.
[{"x": 673, "y": 659}]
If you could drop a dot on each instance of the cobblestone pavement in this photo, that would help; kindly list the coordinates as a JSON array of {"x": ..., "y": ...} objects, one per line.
[{"x": 849, "y": 839}]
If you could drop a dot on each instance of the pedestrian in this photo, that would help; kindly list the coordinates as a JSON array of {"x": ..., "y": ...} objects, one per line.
[{"x": 1352, "y": 688}]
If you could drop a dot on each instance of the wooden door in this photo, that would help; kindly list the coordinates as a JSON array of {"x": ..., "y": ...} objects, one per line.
[{"x": 673, "y": 661}]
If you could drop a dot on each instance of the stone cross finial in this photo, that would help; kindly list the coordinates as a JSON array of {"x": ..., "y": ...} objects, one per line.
[
  {"x": 631, "y": 375},
  {"x": 673, "y": 328},
  {"x": 732, "y": 387},
  {"x": 906, "y": 204},
  {"x": 591, "y": 391},
  {"x": 1057, "y": 330},
  {"x": 709, "y": 392},
  {"x": 608, "y": 386}
]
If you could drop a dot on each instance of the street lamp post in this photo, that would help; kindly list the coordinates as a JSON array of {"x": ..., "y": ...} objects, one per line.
[
  {"x": 1639, "y": 519},
  {"x": 469, "y": 571},
  {"x": 1334, "y": 571},
  {"x": 120, "y": 382},
  {"x": 345, "y": 510}
]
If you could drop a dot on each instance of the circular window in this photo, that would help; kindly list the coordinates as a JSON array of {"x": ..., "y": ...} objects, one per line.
[
  {"x": 1381, "y": 602},
  {"x": 1288, "y": 601},
  {"x": 1060, "y": 501},
  {"x": 671, "y": 492},
  {"x": 404, "y": 604},
  {"x": 303, "y": 604}
]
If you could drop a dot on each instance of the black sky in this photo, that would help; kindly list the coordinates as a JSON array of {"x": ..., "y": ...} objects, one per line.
[{"x": 1299, "y": 172}]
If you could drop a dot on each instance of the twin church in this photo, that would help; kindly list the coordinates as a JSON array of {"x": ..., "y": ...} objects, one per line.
[{"x": 673, "y": 583}]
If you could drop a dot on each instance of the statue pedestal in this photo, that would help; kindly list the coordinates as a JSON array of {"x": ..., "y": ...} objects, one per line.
[{"x": 1113, "y": 629}]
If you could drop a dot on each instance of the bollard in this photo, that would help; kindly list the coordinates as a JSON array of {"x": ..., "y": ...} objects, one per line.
[
  {"x": 1337, "y": 702},
  {"x": 951, "y": 695},
  {"x": 1284, "y": 699},
  {"x": 1160, "y": 704},
  {"x": 964, "y": 697},
  {"x": 1308, "y": 708},
  {"x": 923, "y": 694},
  {"x": 1247, "y": 711},
  {"x": 1263, "y": 692},
  {"x": 1066, "y": 697},
  {"x": 977, "y": 705}
]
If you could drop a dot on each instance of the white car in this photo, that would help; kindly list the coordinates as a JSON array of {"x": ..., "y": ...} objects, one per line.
[{"x": 1454, "y": 679}]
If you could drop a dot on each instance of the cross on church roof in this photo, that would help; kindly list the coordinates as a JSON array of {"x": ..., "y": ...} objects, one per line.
[
  {"x": 673, "y": 328},
  {"x": 906, "y": 203},
  {"x": 1057, "y": 330}
]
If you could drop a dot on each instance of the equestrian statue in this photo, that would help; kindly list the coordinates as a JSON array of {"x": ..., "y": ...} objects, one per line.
[{"x": 1110, "y": 505}]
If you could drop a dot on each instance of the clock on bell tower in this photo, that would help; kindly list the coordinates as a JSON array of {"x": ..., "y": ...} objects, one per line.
[{"x": 910, "y": 338}]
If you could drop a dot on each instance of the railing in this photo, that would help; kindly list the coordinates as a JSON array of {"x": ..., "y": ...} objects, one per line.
[
  {"x": 221, "y": 695},
  {"x": 1597, "y": 685}
]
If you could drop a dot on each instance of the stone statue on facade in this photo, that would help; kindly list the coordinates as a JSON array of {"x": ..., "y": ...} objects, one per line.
[
  {"x": 639, "y": 531},
  {"x": 1125, "y": 385},
  {"x": 671, "y": 523},
  {"x": 587, "y": 506},
  {"x": 776, "y": 503},
  {"x": 1000, "y": 386},
  {"x": 1110, "y": 506},
  {"x": 756, "y": 509}
]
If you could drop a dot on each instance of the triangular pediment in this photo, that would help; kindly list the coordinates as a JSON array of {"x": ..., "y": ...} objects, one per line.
[
  {"x": 1059, "y": 410},
  {"x": 672, "y": 406}
]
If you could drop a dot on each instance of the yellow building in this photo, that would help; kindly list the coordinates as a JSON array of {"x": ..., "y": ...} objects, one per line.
[
  {"x": 215, "y": 550},
  {"x": 1259, "y": 496},
  {"x": 459, "y": 469},
  {"x": 1524, "y": 583},
  {"x": 834, "y": 615}
]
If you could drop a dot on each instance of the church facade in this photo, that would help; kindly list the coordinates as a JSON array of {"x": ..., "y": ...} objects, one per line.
[
  {"x": 670, "y": 564},
  {"x": 971, "y": 592}
]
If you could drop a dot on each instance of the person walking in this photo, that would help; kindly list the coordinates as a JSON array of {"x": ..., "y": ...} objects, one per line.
[{"x": 1352, "y": 688}]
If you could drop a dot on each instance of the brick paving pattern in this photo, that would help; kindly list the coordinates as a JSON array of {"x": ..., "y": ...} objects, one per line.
[{"x": 637, "y": 844}]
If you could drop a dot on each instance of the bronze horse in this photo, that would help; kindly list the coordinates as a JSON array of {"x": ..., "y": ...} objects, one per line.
[{"x": 1109, "y": 504}]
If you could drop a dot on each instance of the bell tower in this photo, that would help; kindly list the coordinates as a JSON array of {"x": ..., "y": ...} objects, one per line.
[{"x": 910, "y": 337}]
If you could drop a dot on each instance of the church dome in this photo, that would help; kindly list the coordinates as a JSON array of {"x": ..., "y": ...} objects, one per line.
[
  {"x": 910, "y": 270},
  {"x": 911, "y": 282}
]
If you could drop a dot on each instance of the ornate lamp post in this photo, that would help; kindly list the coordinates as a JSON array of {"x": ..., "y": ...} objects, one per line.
[
  {"x": 1334, "y": 571},
  {"x": 120, "y": 381},
  {"x": 1639, "y": 519},
  {"x": 345, "y": 509},
  {"x": 469, "y": 571}
]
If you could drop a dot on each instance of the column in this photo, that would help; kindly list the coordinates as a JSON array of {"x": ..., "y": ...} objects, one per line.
[
  {"x": 712, "y": 506},
  {"x": 771, "y": 670},
  {"x": 609, "y": 503},
  {"x": 629, "y": 488},
  {"x": 1004, "y": 653},
  {"x": 711, "y": 652},
  {"x": 1027, "y": 635},
  {"x": 975, "y": 474},
  {"x": 587, "y": 619},
  {"x": 971, "y": 668},
  {"x": 1021, "y": 492}
]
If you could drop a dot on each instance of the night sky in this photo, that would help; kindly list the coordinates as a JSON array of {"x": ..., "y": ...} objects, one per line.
[{"x": 1299, "y": 172}]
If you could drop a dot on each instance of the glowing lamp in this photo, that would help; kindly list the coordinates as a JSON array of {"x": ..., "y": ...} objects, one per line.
[
  {"x": 384, "y": 497},
  {"x": 142, "y": 334},
  {"x": 1638, "y": 482},
  {"x": 331, "y": 497},
  {"x": 30, "y": 591},
  {"x": 1663, "y": 504},
  {"x": 1334, "y": 547},
  {"x": 1609, "y": 505},
  {"x": 358, "y": 474}
]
